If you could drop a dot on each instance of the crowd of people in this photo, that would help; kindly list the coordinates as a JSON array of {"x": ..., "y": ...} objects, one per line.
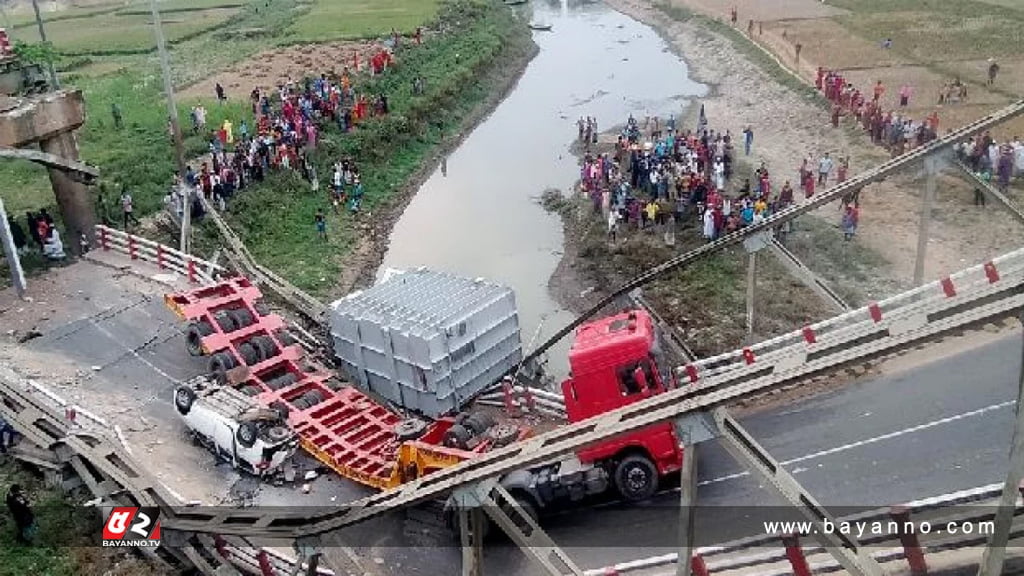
[
  {"x": 288, "y": 123},
  {"x": 895, "y": 129},
  {"x": 43, "y": 233},
  {"x": 661, "y": 177}
]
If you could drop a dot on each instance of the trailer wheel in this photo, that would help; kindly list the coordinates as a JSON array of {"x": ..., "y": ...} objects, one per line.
[
  {"x": 457, "y": 437},
  {"x": 479, "y": 422},
  {"x": 281, "y": 409},
  {"x": 194, "y": 336},
  {"x": 220, "y": 363},
  {"x": 261, "y": 307},
  {"x": 285, "y": 338},
  {"x": 503, "y": 434},
  {"x": 300, "y": 403},
  {"x": 636, "y": 478},
  {"x": 250, "y": 390},
  {"x": 278, "y": 433},
  {"x": 248, "y": 353},
  {"x": 183, "y": 399},
  {"x": 334, "y": 384},
  {"x": 246, "y": 434},
  {"x": 265, "y": 345},
  {"x": 242, "y": 318},
  {"x": 225, "y": 320},
  {"x": 410, "y": 429},
  {"x": 281, "y": 381},
  {"x": 313, "y": 397}
]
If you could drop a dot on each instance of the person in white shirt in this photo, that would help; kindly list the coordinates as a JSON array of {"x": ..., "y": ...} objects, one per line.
[{"x": 53, "y": 248}]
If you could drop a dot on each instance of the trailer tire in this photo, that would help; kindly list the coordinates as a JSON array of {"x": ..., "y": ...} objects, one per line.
[
  {"x": 410, "y": 429},
  {"x": 265, "y": 346},
  {"x": 225, "y": 320},
  {"x": 242, "y": 317},
  {"x": 636, "y": 477},
  {"x": 194, "y": 335},
  {"x": 250, "y": 390},
  {"x": 457, "y": 437},
  {"x": 285, "y": 338},
  {"x": 281, "y": 409},
  {"x": 282, "y": 381},
  {"x": 300, "y": 403},
  {"x": 220, "y": 363},
  {"x": 479, "y": 422},
  {"x": 261, "y": 308},
  {"x": 246, "y": 434},
  {"x": 334, "y": 384},
  {"x": 503, "y": 434},
  {"x": 183, "y": 399},
  {"x": 313, "y": 397},
  {"x": 248, "y": 353}
]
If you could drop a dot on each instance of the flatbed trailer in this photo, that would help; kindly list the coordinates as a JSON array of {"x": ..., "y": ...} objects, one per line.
[{"x": 361, "y": 439}]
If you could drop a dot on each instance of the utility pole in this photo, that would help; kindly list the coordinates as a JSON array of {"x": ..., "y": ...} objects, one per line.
[
  {"x": 172, "y": 113},
  {"x": 54, "y": 82}
]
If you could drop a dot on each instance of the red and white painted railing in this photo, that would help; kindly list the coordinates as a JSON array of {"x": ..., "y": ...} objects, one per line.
[
  {"x": 799, "y": 555},
  {"x": 905, "y": 311},
  {"x": 196, "y": 270}
]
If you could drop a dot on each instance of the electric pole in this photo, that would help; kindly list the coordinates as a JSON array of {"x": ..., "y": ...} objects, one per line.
[
  {"x": 172, "y": 113},
  {"x": 54, "y": 82}
]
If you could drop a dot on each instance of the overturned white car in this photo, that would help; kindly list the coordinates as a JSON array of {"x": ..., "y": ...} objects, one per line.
[{"x": 234, "y": 427}]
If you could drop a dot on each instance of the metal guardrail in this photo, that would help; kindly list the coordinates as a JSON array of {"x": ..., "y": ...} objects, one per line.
[
  {"x": 992, "y": 191},
  {"x": 977, "y": 295},
  {"x": 196, "y": 270},
  {"x": 738, "y": 554}
]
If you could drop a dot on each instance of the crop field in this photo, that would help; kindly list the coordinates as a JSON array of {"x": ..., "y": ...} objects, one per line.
[
  {"x": 349, "y": 19},
  {"x": 120, "y": 32}
]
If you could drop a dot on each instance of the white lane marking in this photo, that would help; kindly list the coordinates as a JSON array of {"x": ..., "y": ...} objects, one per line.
[{"x": 872, "y": 440}]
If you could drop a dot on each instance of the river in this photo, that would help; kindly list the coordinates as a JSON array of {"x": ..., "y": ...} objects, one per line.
[{"x": 479, "y": 215}]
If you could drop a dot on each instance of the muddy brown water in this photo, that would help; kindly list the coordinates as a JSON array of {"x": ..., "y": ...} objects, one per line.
[{"x": 480, "y": 217}]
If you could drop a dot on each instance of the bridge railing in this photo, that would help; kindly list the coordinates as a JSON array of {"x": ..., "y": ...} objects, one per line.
[{"x": 196, "y": 270}]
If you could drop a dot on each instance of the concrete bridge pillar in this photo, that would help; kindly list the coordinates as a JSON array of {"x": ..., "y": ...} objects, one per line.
[{"x": 49, "y": 121}]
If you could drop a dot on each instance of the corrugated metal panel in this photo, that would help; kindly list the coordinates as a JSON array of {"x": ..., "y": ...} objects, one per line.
[{"x": 427, "y": 340}]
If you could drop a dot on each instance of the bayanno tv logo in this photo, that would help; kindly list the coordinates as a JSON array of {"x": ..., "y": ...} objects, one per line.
[{"x": 132, "y": 527}]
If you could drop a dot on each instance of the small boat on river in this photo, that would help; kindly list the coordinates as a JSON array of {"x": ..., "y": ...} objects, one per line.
[{"x": 538, "y": 26}]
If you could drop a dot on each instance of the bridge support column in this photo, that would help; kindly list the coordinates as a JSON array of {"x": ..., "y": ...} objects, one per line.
[
  {"x": 73, "y": 197},
  {"x": 995, "y": 553},
  {"x": 931, "y": 168},
  {"x": 690, "y": 430},
  {"x": 508, "y": 514}
]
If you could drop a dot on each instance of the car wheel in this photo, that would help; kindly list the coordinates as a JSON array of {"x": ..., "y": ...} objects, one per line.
[
  {"x": 183, "y": 399},
  {"x": 246, "y": 434}
]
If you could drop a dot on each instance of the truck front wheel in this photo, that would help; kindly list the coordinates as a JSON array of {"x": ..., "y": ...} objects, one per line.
[{"x": 636, "y": 478}]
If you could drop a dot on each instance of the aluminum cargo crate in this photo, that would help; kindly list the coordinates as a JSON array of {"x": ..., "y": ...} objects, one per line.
[{"x": 428, "y": 341}]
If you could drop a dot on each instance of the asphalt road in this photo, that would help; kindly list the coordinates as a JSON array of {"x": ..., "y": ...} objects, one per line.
[{"x": 938, "y": 428}]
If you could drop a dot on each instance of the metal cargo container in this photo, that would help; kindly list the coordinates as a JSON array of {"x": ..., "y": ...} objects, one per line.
[{"x": 428, "y": 341}]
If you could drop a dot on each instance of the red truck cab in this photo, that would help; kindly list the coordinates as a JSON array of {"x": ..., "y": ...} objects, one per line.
[{"x": 614, "y": 362}]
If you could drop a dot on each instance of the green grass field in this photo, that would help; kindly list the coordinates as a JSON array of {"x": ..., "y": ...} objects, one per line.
[
  {"x": 929, "y": 31},
  {"x": 336, "y": 19},
  {"x": 116, "y": 32}
]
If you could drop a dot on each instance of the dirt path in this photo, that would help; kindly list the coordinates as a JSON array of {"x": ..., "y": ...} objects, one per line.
[{"x": 787, "y": 127}]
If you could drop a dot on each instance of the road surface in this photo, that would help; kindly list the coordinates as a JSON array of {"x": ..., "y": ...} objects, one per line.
[{"x": 934, "y": 429}]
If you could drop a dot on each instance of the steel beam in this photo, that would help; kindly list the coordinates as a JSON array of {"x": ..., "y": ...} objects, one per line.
[
  {"x": 995, "y": 553},
  {"x": 845, "y": 549},
  {"x": 801, "y": 272},
  {"x": 992, "y": 191}
]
